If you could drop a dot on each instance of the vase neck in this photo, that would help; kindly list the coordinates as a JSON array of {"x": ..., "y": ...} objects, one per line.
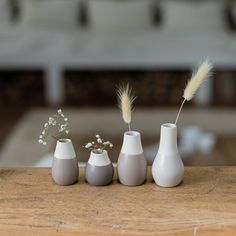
[
  {"x": 168, "y": 140},
  {"x": 64, "y": 149},
  {"x": 99, "y": 159},
  {"x": 132, "y": 144}
]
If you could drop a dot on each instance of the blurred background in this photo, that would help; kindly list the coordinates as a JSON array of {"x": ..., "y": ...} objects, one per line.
[{"x": 72, "y": 54}]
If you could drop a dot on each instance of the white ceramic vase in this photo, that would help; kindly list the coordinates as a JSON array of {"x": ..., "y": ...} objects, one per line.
[
  {"x": 99, "y": 169},
  {"x": 168, "y": 168},
  {"x": 65, "y": 165},
  {"x": 132, "y": 164}
]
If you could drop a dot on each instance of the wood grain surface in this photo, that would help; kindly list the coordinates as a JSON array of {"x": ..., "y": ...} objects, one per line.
[{"x": 204, "y": 204}]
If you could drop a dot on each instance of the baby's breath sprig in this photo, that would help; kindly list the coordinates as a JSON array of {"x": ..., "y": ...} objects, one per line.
[
  {"x": 57, "y": 121},
  {"x": 99, "y": 145}
]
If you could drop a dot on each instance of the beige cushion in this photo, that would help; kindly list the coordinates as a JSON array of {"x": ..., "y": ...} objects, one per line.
[
  {"x": 4, "y": 12},
  {"x": 112, "y": 15},
  {"x": 50, "y": 13},
  {"x": 203, "y": 15}
]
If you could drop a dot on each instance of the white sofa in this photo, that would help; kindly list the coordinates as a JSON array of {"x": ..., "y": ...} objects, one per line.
[{"x": 174, "y": 45}]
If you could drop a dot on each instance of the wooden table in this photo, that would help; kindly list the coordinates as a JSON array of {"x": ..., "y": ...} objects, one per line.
[{"x": 204, "y": 204}]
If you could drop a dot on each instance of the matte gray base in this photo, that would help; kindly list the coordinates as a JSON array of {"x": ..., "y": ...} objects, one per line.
[
  {"x": 132, "y": 169},
  {"x": 99, "y": 175},
  {"x": 65, "y": 171}
]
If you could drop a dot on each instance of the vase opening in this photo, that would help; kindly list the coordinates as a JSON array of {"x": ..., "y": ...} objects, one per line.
[
  {"x": 132, "y": 133},
  {"x": 169, "y": 125},
  {"x": 95, "y": 151},
  {"x": 64, "y": 140}
]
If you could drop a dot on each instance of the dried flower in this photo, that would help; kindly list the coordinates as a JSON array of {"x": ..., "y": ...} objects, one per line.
[
  {"x": 99, "y": 145},
  {"x": 58, "y": 121},
  {"x": 126, "y": 100},
  {"x": 88, "y": 145},
  {"x": 194, "y": 83}
]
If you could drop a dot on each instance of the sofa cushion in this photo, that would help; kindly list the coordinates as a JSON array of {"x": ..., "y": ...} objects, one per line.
[
  {"x": 5, "y": 12},
  {"x": 202, "y": 15},
  {"x": 50, "y": 13},
  {"x": 112, "y": 15}
]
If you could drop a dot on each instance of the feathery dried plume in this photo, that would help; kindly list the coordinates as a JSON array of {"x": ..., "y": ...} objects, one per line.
[
  {"x": 194, "y": 83},
  {"x": 126, "y": 100},
  {"x": 196, "y": 80}
]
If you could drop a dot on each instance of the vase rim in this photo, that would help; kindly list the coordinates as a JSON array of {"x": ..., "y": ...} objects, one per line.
[
  {"x": 99, "y": 153},
  {"x": 132, "y": 133},
  {"x": 169, "y": 126},
  {"x": 64, "y": 140}
]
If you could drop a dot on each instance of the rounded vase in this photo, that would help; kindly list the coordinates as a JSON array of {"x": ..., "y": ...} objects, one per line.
[
  {"x": 132, "y": 164},
  {"x": 168, "y": 168},
  {"x": 99, "y": 169},
  {"x": 65, "y": 165}
]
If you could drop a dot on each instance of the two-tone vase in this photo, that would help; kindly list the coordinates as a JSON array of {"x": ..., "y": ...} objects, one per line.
[
  {"x": 132, "y": 164},
  {"x": 168, "y": 168},
  {"x": 65, "y": 165},
  {"x": 99, "y": 169}
]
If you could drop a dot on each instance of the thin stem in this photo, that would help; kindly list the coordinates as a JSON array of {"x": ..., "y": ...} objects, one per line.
[
  {"x": 54, "y": 137},
  {"x": 180, "y": 109},
  {"x": 129, "y": 126}
]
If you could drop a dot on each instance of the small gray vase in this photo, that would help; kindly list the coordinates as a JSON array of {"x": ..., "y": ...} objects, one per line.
[
  {"x": 65, "y": 165},
  {"x": 132, "y": 164},
  {"x": 99, "y": 169}
]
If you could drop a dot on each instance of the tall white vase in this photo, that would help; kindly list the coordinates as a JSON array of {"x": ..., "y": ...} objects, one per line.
[{"x": 168, "y": 168}]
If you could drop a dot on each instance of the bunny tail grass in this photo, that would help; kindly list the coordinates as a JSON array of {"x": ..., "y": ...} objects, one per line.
[
  {"x": 194, "y": 83},
  {"x": 196, "y": 80},
  {"x": 126, "y": 100}
]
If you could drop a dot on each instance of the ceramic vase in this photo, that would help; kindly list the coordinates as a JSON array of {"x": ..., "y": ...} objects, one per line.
[
  {"x": 132, "y": 164},
  {"x": 99, "y": 169},
  {"x": 65, "y": 165},
  {"x": 168, "y": 168}
]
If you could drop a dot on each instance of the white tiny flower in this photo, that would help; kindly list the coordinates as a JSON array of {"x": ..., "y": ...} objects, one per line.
[
  {"x": 88, "y": 145},
  {"x": 50, "y": 120},
  {"x": 40, "y": 141},
  {"x": 62, "y": 128},
  {"x": 99, "y": 140},
  {"x": 67, "y": 131},
  {"x": 44, "y": 143},
  {"x": 40, "y": 136},
  {"x": 46, "y": 125},
  {"x": 62, "y": 115},
  {"x": 59, "y": 111},
  {"x": 93, "y": 142},
  {"x": 66, "y": 119},
  {"x": 97, "y": 136},
  {"x": 43, "y": 133},
  {"x": 111, "y": 145}
]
